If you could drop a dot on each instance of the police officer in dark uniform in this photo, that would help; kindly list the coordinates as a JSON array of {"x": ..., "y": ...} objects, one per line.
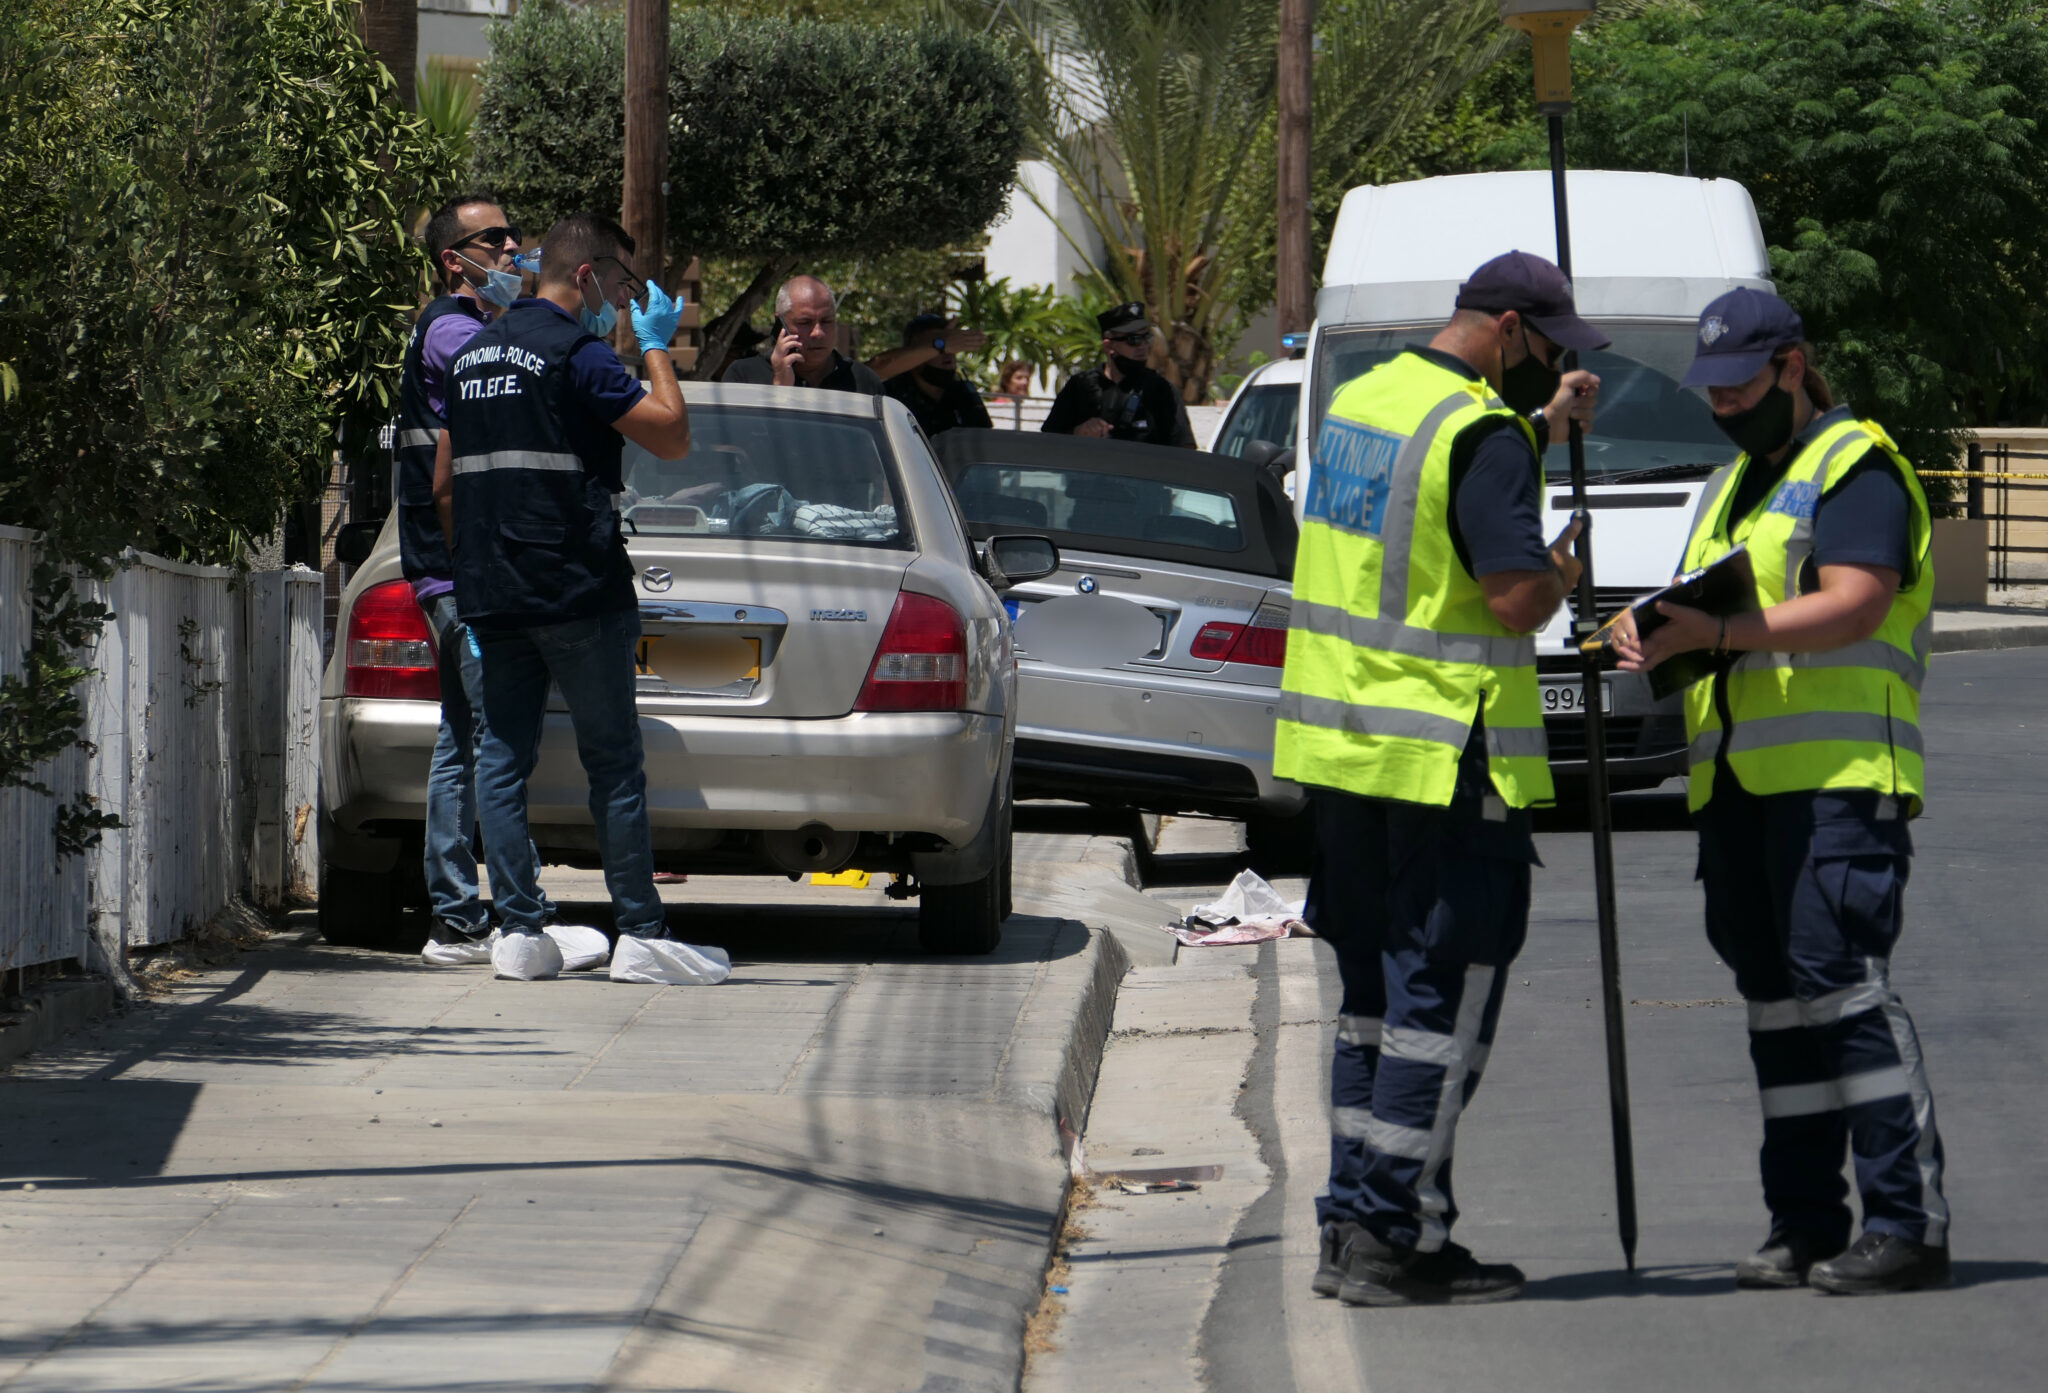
[
  {"x": 1124, "y": 399},
  {"x": 1806, "y": 769},
  {"x": 475, "y": 250},
  {"x": 527, "y": 479}
]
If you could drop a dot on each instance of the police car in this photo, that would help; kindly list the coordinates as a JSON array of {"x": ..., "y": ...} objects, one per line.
[{"x": 826, "y": 676}]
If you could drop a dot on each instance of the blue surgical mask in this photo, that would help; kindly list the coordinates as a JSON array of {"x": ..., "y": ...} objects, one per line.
[
  {"x": 500, "y": 288},
  {"x": 602, "y": 323}
]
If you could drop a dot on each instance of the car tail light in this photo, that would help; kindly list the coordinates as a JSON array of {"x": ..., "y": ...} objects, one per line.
[
  {"x": 390, "y": 649},
  {"x": 1264, "y": 641},
  {"x": 922, "y": 662},
  {"x": 1261, "y": 643}
]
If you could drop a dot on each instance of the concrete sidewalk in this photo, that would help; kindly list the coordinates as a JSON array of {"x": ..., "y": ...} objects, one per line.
[
  {"x": 1979, "y": 628},
  {"x": 334, "y": 1169}
]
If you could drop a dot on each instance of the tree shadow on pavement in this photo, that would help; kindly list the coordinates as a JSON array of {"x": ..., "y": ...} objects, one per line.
[{"x": 1978, "y": 1273}]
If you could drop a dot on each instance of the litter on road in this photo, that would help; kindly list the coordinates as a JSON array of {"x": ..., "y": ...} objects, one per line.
[{"x": 1248, "y": 911}]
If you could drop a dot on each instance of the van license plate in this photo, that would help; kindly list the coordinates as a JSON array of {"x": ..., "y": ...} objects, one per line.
[{"x": 1566, "y": 696}]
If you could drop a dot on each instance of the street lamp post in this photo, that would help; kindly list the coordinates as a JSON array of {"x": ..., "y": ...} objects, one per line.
[{"x": 1549, "y": 25}]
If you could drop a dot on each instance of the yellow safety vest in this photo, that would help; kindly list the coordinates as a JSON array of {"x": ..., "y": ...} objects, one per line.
[
  {"x": 1846, "y": 718},
  {"x": 1391, "y": 650}
]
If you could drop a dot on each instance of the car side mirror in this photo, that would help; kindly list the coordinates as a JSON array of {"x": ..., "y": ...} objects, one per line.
[
  {"x": 1282, "y": 463},
  {"x": 356, "y": 540},
  {"x": 1258, "y": 453},
  {"x": 1008, "y": 561}
]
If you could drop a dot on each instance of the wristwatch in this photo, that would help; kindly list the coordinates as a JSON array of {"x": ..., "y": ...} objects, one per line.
[
  {"x": 1540, "y": 418},
  {"x": 938, "y": 345}
]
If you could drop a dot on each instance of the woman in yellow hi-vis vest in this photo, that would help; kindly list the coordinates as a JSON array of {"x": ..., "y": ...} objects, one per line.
[{"x": 1806, "y": 766}]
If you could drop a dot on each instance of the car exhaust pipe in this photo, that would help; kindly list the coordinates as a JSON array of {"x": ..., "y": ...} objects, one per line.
[{"x": 811, "y": 848}]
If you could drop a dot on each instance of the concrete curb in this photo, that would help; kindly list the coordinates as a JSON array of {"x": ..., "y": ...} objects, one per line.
[
  {"x": 1081, "y": 988},
  {"x": 56, "y": 1009},
  {"x": 1984, "y": 638}
]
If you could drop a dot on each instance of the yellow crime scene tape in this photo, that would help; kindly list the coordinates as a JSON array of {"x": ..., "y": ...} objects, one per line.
[{"x": 1969, "y": 474}]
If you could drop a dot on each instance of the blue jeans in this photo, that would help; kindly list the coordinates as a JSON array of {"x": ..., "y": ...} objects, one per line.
[
  {"x": 451, "y": 780},
  {"x": 592, "y": 662}
]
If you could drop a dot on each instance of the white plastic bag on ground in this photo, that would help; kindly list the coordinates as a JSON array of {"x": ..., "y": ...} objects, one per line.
[
  {"x": 526, "y": 957},
  {"x": 668, "y": 962},
  {"x": 1248, "y": 897},
  {"x": 581, "y": 945}
]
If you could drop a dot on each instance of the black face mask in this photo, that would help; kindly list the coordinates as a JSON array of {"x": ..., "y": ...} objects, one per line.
[
  {"x": 1530, "y": 383},
  {"x": 1764, "y": 428}
]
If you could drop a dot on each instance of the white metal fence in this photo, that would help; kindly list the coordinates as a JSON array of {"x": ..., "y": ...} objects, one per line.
[{"x": 201, "y": 722}]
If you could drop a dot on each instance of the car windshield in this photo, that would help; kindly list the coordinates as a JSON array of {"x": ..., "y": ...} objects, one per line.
[
  {"x": 1646, "y": 423},
  {"x": 1099, "y": 505},
  {"x": 753, "y": 472},
  {"x": 1265, "y": 412}
]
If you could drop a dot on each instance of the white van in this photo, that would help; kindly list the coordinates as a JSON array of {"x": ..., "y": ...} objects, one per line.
[{"x": 1649, "y": 251}]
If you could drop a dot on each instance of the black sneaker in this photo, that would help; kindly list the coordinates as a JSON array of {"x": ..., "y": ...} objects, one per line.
[
  {"x": 1378, "y": 1275},
  {"x": 1783, "y": 1261},
  {"x": 1881, "y": 1262},
  {"x": 1330, "y": 1269}
]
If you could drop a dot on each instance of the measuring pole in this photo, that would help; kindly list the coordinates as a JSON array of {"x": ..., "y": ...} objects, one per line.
[{"x": 1549, "y": 24}]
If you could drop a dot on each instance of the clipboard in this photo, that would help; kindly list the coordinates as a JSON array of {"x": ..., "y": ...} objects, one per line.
[{"x": 1726, "y": 588}]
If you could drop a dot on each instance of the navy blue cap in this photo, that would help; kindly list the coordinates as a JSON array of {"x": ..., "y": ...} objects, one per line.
[
  {"x": 1123, "y": 319},
  {"x": 1535, "y": 289},
  {"x": 1739, "y": 333}
]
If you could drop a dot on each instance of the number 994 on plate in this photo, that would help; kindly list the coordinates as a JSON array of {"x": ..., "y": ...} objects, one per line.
[{"x": 1566, "y": 696}]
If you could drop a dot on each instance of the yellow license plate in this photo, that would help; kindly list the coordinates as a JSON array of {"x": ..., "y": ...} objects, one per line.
[{"x": 700, "y": 662}]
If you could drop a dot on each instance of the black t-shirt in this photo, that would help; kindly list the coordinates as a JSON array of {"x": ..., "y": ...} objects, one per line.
[
  {"x": 1153, "y": 412},
  {"x": 1865, "y": 520},
  {"x": 847, "y": 374},
  {"x": 957, "y": 405},
  {"x": 1496, "y": 490}
]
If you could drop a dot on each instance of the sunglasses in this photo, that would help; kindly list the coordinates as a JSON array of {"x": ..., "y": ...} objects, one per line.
[
  {"x": 1143, "y": 336},
  {"x": 1551, "y": 358},
  {"x": 491, "y": 237}
]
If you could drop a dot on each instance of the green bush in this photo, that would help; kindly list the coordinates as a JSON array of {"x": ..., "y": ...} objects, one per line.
[
  {"x": 206, "y": 275},
  {"x": 806, "y": 139}
]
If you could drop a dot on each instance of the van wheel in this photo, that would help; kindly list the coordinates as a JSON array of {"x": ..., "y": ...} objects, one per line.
[
  {"x": 364, "y": 909},
  {"x": 967, "y": 920}
]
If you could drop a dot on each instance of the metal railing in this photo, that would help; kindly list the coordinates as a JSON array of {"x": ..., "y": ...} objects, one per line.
[{"x": 2008, "y": 489}]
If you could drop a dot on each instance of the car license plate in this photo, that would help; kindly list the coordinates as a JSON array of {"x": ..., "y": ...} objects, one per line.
[
  {"x": 1566, "y": 696},
  {"x": 720, "y": 664}
]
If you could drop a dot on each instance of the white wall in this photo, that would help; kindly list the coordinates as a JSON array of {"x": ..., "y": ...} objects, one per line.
[{"x": 1027, "y": 246}]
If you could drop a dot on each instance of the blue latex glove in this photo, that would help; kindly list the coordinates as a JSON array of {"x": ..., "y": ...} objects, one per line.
[{"x": 656, "y": 325}]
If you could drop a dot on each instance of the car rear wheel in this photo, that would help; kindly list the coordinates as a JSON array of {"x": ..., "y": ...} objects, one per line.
[
  {"x": 967, "y": 920},
  {"x": 363, "y": 909}
]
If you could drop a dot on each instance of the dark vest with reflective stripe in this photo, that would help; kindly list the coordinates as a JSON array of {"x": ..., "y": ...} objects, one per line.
[
  {"x": 422, "y": 550},
  {"x": 537, "y": 536}
]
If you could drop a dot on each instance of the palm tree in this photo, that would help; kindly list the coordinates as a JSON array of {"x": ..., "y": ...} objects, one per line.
[{"x": 1159, "y": 117}]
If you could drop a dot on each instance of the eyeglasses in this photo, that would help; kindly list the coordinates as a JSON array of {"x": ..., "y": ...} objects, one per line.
[
  {"x": 490, "y": 237},
  {"x": 1143, "y": 336},
  {"x": 635, "y": 287}
]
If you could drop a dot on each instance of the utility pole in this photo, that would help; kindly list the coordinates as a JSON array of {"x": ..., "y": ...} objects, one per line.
[
  {"x": 1294, "y": 280},
  {"x": 643, "y": 209}
]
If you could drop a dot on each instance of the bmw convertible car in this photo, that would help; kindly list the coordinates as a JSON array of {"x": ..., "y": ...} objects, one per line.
[
  {"x": 826, "y": 676},
  {"x": 1149, "y": 663}
]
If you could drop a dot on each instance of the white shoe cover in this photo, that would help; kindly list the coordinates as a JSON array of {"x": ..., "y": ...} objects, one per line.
[
  {"x": 525, "y": 957},
  {"x": 458, "y": 949},
  {"x": 581, "y": 945},
  {"x": 668, "y": 962}
]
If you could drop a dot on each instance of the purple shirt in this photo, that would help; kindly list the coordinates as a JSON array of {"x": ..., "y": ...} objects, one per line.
[{"x": 445, "y": 338}]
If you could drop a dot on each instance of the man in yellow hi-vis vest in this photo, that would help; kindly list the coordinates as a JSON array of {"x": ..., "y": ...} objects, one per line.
[{"x": 1410, "y": 708}]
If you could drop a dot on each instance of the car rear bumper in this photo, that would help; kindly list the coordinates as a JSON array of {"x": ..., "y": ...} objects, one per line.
[
  {"x": 1151, "y": 740},
  {"x": 887, "y": 772}
]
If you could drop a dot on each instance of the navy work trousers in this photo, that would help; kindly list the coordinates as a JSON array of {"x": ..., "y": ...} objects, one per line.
[
  {"x": 1804, "y": 902},
  {"x": 1425, "y": 908}
]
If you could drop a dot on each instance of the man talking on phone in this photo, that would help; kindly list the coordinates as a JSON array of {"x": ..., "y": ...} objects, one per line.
[
  {"x": 1410, "y": 707},
  {"x": 802, "y": 349}
]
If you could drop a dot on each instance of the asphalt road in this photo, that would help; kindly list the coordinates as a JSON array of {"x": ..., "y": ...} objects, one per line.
[{"x": 1534, "y": 1170}]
